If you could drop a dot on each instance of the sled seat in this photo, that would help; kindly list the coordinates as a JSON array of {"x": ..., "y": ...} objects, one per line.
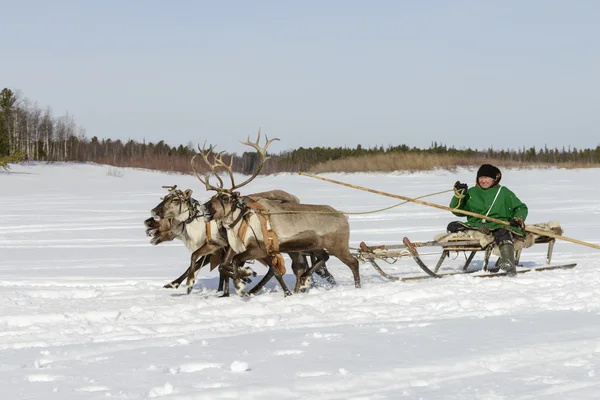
[{"x": 474, "y": 241}]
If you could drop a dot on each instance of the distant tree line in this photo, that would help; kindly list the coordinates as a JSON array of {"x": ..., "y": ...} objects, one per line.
[
  {"x": 306, "y": 158},
  {"x": 31, "y": 133}
]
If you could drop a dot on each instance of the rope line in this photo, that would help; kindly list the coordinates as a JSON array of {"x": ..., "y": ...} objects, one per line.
[{"x": 347, "y": 212}]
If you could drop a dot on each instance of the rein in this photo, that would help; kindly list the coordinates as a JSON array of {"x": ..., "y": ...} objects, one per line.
[{"x": 268, "y": 212}]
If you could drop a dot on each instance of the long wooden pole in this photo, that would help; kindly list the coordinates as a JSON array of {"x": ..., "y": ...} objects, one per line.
[{"x": 425, "y": 203}]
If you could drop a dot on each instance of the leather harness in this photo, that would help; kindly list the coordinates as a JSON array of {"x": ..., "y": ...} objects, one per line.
[{"x": 269, "y": 236}]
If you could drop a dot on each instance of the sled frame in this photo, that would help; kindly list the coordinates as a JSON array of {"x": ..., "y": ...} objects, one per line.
[
  {"x": 471, "y": 246},
  {"x": 475, "y": 247}
]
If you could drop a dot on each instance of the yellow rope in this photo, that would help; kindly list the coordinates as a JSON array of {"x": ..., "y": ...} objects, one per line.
[
  {"x": 344, "y": 212},
  {"x": 459, "y": 194}
]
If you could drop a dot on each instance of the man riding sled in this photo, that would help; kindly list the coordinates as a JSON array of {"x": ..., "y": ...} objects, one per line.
[{"x": 492, "y": 200}]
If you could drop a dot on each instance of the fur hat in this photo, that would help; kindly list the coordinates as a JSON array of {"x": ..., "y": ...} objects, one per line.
[{"x": 489, "y": 171}]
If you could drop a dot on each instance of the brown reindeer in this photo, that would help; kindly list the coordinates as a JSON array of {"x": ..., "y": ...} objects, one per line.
[
  {"x": 293, "y": 227},
  {"x": 207, "y": 242}
]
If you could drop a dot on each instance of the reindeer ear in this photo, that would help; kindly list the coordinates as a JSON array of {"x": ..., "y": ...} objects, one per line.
[{"x": 188, "y": 193}]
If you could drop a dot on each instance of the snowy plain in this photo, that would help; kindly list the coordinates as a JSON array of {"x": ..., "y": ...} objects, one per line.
[{"x": 83, "y": 314}]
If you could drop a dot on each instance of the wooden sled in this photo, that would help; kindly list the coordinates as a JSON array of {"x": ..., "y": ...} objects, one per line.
[{"x": 471, "y": 242}]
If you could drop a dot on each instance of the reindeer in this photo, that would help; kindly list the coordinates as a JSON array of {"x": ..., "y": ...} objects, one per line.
[
  {"x": 165, "y": 230},
  {"x": 293, "y": 227},
  {"x": 206, "y": 241}
]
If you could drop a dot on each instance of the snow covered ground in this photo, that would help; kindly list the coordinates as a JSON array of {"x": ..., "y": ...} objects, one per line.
[{"x": 83, "y": 314}]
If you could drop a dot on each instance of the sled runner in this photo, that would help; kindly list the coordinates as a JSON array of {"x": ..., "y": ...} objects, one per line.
[{"x": 471, "y": 242}]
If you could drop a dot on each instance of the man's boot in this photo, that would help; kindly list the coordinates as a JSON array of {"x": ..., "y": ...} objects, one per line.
[{"x": 507, "y": 258}]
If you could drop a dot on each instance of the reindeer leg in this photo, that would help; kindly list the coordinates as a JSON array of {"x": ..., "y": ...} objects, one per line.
[
  {"x": 352, "y": 263},
  {"x": 223, "y": 281},
  {"x": 308, "y": 274},
  {"x": 238, "y": 282},
  {"x": 199, "y": 264},
  {"x": 191, "y": 276},
  {"x": 323, "y": 272},
  {"x": 299, "y": 266},
  {"x": 278, "y": 276},
  {"x": 225, "y": 288},
  {"x": 262, "y": 282},
  {"x": 202, "y": 251}
]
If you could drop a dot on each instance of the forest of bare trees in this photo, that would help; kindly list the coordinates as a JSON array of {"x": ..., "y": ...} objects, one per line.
[{"x": 28, "y": 132}]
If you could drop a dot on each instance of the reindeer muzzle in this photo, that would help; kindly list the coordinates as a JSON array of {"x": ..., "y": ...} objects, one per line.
[
  {"x": 206, "y": 211},
  {"x": 151, "y": 232},
  {"x": 150, "y": 223},
  {"x": 155, "y": 215},
  {"x": 155, "y": 240}
]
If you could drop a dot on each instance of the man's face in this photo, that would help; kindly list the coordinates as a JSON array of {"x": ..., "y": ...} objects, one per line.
[{"x": 485, "y": 181}]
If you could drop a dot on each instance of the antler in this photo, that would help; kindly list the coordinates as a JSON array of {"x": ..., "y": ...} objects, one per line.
[
  {"x": 228, "y": 167},
  {"x": 206, "y": 180},
  {"x": 262, "y": 151}
]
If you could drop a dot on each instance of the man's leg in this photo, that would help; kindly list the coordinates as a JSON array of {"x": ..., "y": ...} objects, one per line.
[
  {"x": 504, "y": 240},
  {"x": 456, "y": 226}
]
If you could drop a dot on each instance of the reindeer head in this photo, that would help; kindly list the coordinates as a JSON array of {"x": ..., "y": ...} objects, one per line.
[
  {"x": 177, "y": 205},
  {"x": 222, "y": 205},
  {"x": 161, "y": 230}
]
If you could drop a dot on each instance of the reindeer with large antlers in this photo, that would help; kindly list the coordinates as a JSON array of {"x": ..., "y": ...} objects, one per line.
[
  {"x": 178, "y": 216},
  {"x": 276, "y": 226}
]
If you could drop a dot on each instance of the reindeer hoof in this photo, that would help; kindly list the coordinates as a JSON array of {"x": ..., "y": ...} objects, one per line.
[
  {"x": 287, "y": 293},
  {"x": 224, "y": 295},
  {"x": 249, "y": 271},
  {"x": 171, "y": 286},
  {"x": 240, "y": 287}
]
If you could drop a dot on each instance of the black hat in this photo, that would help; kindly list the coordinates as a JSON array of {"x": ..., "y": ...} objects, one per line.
[{"x": 489, "y": 171}]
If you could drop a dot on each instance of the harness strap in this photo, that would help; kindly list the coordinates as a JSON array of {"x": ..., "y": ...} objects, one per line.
[
  {"x": 192, "y": 211},
  {"x": 270, "y": 237},
  {"x": 208, "y": 232},
  {"x": 243, "y": 228},
  {"x": 278, "y": 262},
  {"x": 241, "y": 215}
]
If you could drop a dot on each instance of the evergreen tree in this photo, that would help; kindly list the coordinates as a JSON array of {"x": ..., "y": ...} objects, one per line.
[
  {"x": 7, "y": 101},
  {"x": 4, "y": 160},
  {"x": 4, "y": 149}
]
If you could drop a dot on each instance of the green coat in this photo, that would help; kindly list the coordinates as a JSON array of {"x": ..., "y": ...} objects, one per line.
[{"x": 479, "y": 200}]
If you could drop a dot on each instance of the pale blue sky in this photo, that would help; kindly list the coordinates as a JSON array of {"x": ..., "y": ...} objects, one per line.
[{"x": 313, "y": 73}]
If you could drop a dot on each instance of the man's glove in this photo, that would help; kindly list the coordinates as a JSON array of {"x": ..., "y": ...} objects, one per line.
[
  {"x": 460, "y": 189},
  {"x": 518, "y": 223},
  {"x": 461, "y": 186}
]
